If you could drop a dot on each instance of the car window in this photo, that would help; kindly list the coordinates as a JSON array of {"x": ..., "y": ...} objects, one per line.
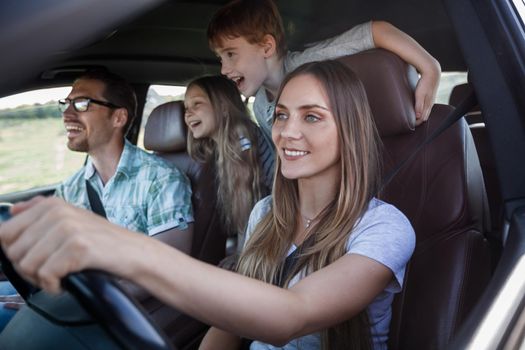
[
  {"x": 33, "y": 148},
  {"x": 447, "y": 83},
  {"x": 157, "y": 95},
  {"x": 520, "y": 9}
]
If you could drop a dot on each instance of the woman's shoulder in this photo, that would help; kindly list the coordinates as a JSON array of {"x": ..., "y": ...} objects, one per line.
[
  {"x": 378, "y": 209},
  {"x": 385, "y": 235},
  {"x": 386, "y": 223}
]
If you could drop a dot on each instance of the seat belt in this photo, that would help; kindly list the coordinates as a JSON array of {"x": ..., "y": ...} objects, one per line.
[
  {"x": 464, "y": 107},
  {"x": 291, "y": 260},
  {"x": 94, "y": 201}
]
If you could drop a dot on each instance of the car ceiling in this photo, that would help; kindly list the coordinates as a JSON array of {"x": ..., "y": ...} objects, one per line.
[{"x": 167, "y": 43}]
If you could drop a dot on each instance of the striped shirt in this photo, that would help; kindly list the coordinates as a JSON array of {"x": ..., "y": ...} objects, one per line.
[
  {"x": 266, "y": 158},
  {"x": 146, "y": 194}
]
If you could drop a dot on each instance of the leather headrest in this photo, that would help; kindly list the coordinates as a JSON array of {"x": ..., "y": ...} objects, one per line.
[
  {"x": 458, "y": 93},
  {"x": 165, "y": 129},
  {"x": 389, "y": 83}
]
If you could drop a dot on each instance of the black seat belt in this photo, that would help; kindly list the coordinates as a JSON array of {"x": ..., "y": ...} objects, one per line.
[
  {"x": 291, "y": 260},
  {"x": 94, "y": 201},
  {"x": 464, "y": 107}
]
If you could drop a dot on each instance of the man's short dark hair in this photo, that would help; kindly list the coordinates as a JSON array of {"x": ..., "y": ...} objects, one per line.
[{"x": 116, "y": 90}]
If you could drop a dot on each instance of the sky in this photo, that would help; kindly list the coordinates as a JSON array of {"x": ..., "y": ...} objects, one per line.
[
  {"x": 32, "y": 97},
  {"x": 54, "y": 94}
]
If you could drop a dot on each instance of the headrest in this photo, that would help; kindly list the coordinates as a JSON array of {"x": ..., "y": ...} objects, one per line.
[
  {"x": 389, "y": 83},
  {"x": 458, "y": 93},
  {"x": 165, "y": 129}
]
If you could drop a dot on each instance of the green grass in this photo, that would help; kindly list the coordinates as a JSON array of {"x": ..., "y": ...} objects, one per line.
[{"x": 33, "y": 153}]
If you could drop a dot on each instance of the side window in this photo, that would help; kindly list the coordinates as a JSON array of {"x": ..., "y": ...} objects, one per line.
[
  {"x": 157, "y": 95},
  {"x": 33, "y": 149},
  {"x": 519, "y": 6},
  {"x": 447, "y": 83}
]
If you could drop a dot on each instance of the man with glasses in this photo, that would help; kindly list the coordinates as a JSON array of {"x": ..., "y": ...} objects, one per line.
[{"x": 135, "y": 189}]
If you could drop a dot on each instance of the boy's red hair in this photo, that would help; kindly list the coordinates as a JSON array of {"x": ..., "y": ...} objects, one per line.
[{"x": 250, "y": 19}]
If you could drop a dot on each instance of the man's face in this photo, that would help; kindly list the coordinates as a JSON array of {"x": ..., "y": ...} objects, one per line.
[
  {"x": 92, "y": 129},
  {"x": 244, "y": 63}
]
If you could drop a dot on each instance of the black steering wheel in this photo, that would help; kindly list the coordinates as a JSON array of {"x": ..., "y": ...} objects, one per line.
[{"x": 118, "y": 313}]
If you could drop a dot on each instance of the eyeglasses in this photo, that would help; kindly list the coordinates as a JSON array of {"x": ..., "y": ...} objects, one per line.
[{"x": 81, "y": 104}]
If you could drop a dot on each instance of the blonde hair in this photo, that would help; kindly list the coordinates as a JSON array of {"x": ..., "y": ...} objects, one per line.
[
  {"x": 238, "y": 171},
  {"x": 267, "y": 248}
]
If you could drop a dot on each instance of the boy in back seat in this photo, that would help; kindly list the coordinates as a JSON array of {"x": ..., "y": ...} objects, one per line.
[{"x": 248, "y": 37}]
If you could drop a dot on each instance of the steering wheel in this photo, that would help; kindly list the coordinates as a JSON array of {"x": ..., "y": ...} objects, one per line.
[{"x": 123, "y": 318}]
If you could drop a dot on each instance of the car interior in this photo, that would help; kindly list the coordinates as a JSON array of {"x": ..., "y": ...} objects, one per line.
[
  {"x": 479, "y": 132},
  {"x": 447, "y": 212},
  {"x": 463, "y": 192},
  {"x": 165, "y": 135}
]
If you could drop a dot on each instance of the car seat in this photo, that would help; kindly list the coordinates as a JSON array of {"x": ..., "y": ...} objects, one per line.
[
  {"x": 486, "y": 157},
  {"x": 165, "y": 135},
  {"x": 441, "y": 191},
  {"x": 457, "y": 94}
]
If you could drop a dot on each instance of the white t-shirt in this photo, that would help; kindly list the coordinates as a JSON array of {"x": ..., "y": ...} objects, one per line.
[{"x": 383, "y": 234}]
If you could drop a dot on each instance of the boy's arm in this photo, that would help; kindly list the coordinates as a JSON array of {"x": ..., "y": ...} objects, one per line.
[
  {"x": 358, "y": 38},
  {"x": 379, "y": 34},
  {"x": 390, "y": 38}
]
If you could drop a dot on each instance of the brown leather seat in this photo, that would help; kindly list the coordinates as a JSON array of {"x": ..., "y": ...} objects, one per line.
[
  {"x": 441, "y": 191},
  {"x": 486, "y": 157},
  {"x": 165, "y": 135},
  {"x": 457, "y": 94}
]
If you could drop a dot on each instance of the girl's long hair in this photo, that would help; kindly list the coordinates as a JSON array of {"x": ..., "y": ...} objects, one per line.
[
  {"x": 267, "y": 248},
  {"x": 238, "y": 171}
]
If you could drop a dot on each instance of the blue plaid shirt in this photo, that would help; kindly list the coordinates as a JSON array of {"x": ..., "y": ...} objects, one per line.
[{"x": 146, "y": 194}]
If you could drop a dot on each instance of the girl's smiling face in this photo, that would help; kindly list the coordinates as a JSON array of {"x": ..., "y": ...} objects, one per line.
[{"x": 199, "y": 114}]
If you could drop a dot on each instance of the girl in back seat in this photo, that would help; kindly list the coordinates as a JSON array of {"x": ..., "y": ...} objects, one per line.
[
  {"x": 221, "y": 131},
  {"x": 323, "y": 259}
]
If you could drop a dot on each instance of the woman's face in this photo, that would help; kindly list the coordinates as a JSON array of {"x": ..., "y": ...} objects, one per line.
[
  {"x": 305, "y": 132},
  {"x": 199, "y": 115}
]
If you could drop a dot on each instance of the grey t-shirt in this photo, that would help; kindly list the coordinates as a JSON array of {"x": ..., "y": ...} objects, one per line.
[
  {"x": 355, "y": 40},
  {"x": 383, "y": 234}
]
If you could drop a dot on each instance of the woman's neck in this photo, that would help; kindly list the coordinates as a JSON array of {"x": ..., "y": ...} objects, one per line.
[{"x": 315, "y": 195}]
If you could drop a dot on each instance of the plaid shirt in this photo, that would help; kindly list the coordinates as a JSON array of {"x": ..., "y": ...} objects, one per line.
[{"x": 146, "y": 194}]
